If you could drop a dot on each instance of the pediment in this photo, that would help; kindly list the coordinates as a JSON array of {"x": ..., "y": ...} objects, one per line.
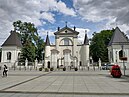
[{"x": 65, "y": 31}]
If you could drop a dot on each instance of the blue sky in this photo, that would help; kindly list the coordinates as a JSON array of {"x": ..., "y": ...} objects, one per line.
[{"x": 47, "y": 15}]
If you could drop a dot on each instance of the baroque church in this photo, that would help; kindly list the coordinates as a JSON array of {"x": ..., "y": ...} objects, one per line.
[{"x": 66, "y": 51}]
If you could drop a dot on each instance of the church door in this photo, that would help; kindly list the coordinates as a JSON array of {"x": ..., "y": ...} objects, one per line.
[{"x": 48, "y": 64}]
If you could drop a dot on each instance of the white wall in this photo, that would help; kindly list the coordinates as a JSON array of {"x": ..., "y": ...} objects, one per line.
[
  {"x": 115, "y": 53},
  {"x": 14, "y": 54}
]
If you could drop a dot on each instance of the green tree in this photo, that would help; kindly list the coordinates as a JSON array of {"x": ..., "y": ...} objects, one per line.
[
  {"x": 39, "y": 48},
  {"x": 28, "y": 51},
  {"x": 99, "y": 43},
  {"x": 30, "y": 39},
  {"x": 27, "y": 31}
]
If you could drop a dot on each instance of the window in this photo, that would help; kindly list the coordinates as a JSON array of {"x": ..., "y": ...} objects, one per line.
[
  {"x": 66, "y": 41},
  {"x": 18, "y": 56},
  {"x": 8, "y": 55}
]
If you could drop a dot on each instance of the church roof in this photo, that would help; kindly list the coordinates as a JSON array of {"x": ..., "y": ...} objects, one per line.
[
  {"x": 118, "y": 38},
  {"x": 13, "y": 40},
  {"x": 65, "y": 29},
  {"x": 86, "y": 41},
  {"x": 47, "y": 41}
]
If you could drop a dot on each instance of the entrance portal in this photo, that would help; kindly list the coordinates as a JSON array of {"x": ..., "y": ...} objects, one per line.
[{"x": 48, "y": 64}]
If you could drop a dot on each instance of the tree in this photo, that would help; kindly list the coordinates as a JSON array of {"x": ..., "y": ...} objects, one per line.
[
  {"x": 30, "y": 39},
  {"x": 39, "y": 48},
  {"x": 27, "y": 31},
  {"x": 99, "y": 43}
]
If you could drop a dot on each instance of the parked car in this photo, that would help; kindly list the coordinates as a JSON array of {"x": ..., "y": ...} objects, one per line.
[
  {"x": 104, "y": 67},
  {"x": 107, "y": 66}
]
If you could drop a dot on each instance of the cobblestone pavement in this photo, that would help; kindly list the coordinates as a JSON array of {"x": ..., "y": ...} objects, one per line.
[{"x": 63, "y": 84}]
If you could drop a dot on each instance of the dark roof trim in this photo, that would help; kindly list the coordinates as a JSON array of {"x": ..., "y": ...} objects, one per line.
[
  {"x": 118, "y": 37},
  {"x": 13, "y": 40},
  {"x": 86, "y": 41},
  {"x": 66, "y": 28},
  {"x": 47, "y": 41}
]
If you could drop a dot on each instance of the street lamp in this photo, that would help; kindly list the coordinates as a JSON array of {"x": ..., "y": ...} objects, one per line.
[
  {"x": 122, "y": 47},
  {"x": 43, "y": 58},
  {"x": 77, "y": 58}
]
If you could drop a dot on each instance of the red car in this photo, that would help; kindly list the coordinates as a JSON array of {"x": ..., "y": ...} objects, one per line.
[{"x": 115, "y": 71}]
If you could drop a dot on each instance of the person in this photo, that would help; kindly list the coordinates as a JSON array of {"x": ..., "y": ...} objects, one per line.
[{"x": 5, "y": 71}]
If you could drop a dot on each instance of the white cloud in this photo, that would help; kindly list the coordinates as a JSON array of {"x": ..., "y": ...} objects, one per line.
[
  {"x": 48, "y": 16},
  {"x": 63, "y": 9},
  {"x": 29, "y": 11},
  {"x": 104, "y": 10},
  {"x": 43, "y": 32},
  {"x": 82, "y": 32},
  {"x": 98, "y": 10}
]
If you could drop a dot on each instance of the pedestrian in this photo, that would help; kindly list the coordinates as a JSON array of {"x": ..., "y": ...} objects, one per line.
[{"x": 5, "y": 71}]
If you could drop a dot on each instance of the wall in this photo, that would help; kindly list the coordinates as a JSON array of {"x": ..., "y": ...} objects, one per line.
[{"x": 14, "y": 54}]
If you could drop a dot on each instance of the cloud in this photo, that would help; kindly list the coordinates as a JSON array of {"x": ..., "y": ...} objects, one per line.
[
  {"x": 35, "y": 11},
  {"x": 63, "y": 9},
  {"x": 48, "y": 16},
  {"x": 98, "y": 10},
  {"x": 113, "y": 12},
  {"x": 82, "y": 32}
]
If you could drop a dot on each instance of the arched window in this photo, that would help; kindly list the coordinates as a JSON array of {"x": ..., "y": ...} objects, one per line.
[
  {"x": 8, "y": 55},
  {"x": 66, "y": 41},
  {"x": 19, "y": 56}
]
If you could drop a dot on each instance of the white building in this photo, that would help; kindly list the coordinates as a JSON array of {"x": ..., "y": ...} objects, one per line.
[
  {"x": 66, "y": 51},
  {"x": 119, "y": 42},
  {"x": 11, "y": 49}
]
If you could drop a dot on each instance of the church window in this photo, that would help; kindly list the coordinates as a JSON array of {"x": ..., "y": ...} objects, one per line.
[
  {"x": 18, "y": 56},
  {"x": 116, "y": 56},
  {"x": 66, "y": 41},
  {"x": 8, "y": 55}
]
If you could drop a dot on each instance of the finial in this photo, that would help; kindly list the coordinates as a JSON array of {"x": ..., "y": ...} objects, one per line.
[
  {"x": 66, "y": 23},
  {"x": 85, "y": 31},
  {"x": 58, "y": 28},
  {"x": 47, "y": 33},
  {"x": 74, "y": 28}
]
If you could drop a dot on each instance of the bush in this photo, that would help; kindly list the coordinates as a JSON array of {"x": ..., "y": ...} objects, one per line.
[
  {"x": 40, "y": 69},
  {"x": 76, "y": 69},
  {"x": 51, "y": 69},
  {"x": 64, "y": 69},
  {"x": 46, "y": 70}
]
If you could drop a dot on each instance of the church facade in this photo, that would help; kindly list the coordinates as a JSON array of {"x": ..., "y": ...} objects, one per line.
[{"x": 66, "y": 51}]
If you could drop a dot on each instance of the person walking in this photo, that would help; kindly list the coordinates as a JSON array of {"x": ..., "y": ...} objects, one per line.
[{"x": 5, "y": 71}]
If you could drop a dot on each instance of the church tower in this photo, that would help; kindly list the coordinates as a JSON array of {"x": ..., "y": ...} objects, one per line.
[
  {"x": 47, "y": 52},
  {"x": 85, "y": 52}
]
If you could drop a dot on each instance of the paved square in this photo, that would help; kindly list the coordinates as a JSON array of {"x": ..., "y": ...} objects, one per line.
[{"x": 63, "y": 84}]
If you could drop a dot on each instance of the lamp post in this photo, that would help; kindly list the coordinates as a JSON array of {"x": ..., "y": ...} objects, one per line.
[
  {"x": 77, "y": 58},
  {"x": 43, "y": 58},
  {"x": 122, "y": 47}
]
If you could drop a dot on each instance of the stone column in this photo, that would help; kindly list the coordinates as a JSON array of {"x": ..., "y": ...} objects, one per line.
[{"x": 26, "y": 62}]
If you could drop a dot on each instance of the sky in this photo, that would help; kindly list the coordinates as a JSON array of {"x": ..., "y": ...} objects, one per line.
[{"x": 86, "y": 15}]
